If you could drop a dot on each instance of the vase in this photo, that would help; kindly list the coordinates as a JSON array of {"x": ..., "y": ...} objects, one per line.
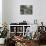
[{"x": 2, "y": 40}]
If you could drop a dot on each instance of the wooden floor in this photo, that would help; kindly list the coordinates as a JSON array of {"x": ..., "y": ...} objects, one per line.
[{"x": 42, "y": 45}]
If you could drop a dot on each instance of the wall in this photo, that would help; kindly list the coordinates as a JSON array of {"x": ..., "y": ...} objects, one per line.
[
  {"x": 12, "y": 11},
  {"x": 4, "y": 12},
  {"x": 17, "y": 17}
]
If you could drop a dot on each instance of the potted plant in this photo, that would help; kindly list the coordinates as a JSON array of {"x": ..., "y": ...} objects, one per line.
[{"x": 3, "y": 34}]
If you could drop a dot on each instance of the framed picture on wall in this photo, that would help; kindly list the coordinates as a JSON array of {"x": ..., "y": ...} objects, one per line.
[{"x": 26, "y": 9}]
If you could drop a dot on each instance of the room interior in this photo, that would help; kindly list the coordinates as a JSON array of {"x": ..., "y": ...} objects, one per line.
[{"x": 22, "y": 23}]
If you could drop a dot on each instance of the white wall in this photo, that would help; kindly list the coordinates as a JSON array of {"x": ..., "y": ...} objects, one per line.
[
  {"x": 12, "y": 11},
  {"x": 15, "y": 10},
  {"x": 4, "y": 11}
]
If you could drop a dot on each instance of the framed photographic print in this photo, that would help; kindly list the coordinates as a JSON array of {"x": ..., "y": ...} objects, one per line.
[{"x": 26, "y": 9}]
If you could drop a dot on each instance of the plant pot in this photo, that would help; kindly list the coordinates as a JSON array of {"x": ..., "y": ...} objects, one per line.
[{"x": 2, "y": 40}]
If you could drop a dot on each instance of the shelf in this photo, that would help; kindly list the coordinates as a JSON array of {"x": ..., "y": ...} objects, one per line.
[
  {"x": 12, "y": 32},
  {"x": 18, "y": 28},
  {"x": 16, "y": 32},
  {"x": 19, "y": 32},
  {"x": 19, "y": 25}
]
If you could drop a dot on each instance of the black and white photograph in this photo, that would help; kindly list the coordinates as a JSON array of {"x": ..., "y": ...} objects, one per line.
[{"x": 26, "y": 9}]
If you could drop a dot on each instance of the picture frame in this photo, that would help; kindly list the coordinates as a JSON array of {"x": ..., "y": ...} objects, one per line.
[{"x": 26, "y": 9}]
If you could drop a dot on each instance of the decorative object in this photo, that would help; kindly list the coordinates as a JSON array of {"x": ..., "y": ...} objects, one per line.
[
  {"x": 28, "y": 33},
  {"x": 2, "y": 40},
  {"x": 35, "y": 21},
  {"x": 4, "y": 32},
  {"x": 26, "y": 9}
]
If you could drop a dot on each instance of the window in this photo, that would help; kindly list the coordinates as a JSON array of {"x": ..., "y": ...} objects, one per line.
[{"x": 0, "y": 13}]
